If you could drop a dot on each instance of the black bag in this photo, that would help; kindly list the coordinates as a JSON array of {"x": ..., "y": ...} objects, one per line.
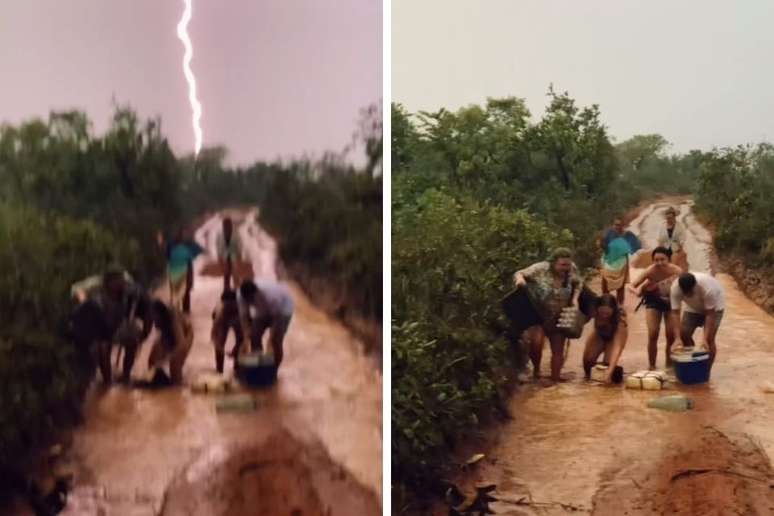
[{"x": 518, "y": 307}]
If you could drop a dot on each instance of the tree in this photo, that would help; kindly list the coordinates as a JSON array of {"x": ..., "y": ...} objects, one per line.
[
  {"x": 641, "y": 147},
  {"x": 576, "y": 142}
]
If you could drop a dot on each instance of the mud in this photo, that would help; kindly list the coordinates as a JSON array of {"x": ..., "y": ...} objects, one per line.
[
  {"x": 584, "y": 448},
  {"x": 279, "y": 477},
  {"x": 326, "y": 405},
  {"x": 713, "y": 474}
]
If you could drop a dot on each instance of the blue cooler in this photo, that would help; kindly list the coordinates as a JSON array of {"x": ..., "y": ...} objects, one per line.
[
  {"x": 252, "y": 372},
  {"x": 692, "y": 368}
]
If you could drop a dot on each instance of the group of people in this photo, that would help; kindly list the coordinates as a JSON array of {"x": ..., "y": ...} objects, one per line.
[
  {"x": 664, "y": 287},
  {"x": 113, "y": 309}
]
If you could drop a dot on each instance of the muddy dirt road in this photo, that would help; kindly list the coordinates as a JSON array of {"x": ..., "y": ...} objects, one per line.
[
  {"x": 313, "y": 445},
  {"x": 599, "y": 450}
]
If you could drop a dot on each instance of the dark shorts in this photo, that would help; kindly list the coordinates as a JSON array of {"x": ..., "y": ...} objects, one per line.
[
  {"x": 692, "y": 320},
  {"x": 654, "y": 302}
]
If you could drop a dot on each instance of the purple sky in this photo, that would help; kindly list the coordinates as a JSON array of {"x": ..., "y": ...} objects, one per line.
[{"x": 276, "y": 78}]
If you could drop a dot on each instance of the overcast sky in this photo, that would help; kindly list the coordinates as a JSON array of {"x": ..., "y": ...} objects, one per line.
[
  {"x": 275, "y": 77},
  {"x": 698, "y": 72}
]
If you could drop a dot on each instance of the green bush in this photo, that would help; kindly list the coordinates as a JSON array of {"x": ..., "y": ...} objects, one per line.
[
  {"x": 332, "y": 225},
  {"x": 42, "y": 256},
  {"x": 452, "y": 261},
  {"x": 734, "y": 193}
]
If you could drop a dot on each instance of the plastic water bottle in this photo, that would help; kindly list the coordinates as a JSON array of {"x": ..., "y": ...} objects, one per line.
[
  {"x": 235, "y": 403},
  {"x": 674, "y": 403}
]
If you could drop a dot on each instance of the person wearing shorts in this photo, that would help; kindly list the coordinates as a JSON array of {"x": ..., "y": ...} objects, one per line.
[
  {"x": 264, "y": 304},
  {"x": 705, "y": 304},
  {"x": 654, "y": 285}
]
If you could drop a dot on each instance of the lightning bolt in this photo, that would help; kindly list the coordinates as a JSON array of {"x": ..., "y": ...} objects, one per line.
[{"x": 182, "y": 33}]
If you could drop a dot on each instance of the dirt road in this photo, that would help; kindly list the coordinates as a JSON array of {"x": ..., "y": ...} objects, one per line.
[
  {"x": 314, "y": 444},
  {"x": 580, "y": 448}
]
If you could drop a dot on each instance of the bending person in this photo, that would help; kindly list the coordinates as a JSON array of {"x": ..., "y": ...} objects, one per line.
[
  {"x": 174, "y": 340},
  {"x": 705, "y": 304},
  {"x": 608, "y": 336},
  {"x": 111, "y": 305},
  {"x": 225, "y": 318},
  {"x": 264, "y": 305}
]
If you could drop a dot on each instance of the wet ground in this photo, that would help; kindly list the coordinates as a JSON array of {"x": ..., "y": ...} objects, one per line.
[
  {"x": 144, "y": 452},
  {"x": 583, "y": 448}
]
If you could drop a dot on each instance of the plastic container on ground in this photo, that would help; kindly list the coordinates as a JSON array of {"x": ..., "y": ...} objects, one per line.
[
  {"x": 257, "y": 369},
  {"x": 673, "y": 403},
  {"x": 235, "y": 403},
  {"x": 599, "y": 372},
  {"x": 647, "y": 380},
  {"x": 692, "y": 368}
]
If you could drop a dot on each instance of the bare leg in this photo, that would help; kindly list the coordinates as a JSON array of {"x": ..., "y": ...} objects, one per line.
[
  {"x": 557, "y": 341},
  {"x": 670, "y": 338},
  {"x": 591, "y": 352},
  {"x": 103, "y": 357},
  {"x": 130, "y": 350},
  {"x": 653, "y": 319},
  {"x": 614, "y": 350},
  {"x": 686, "y": 334},
  {"x": 712, "y": 349},
  {"x": 535, "y": 338},
  {"x": 621, "y": 295}
]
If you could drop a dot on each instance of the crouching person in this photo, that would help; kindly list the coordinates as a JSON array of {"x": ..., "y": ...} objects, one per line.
[
  {"x": 225, "y": 318},
  {"x": 113, "y": 309},
  {"x": 173, "y": 342},
  {"x": 608, "y": 338}
]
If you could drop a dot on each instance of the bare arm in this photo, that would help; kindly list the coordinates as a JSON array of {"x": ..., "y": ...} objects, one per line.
[{"x": 710, "y": 325}]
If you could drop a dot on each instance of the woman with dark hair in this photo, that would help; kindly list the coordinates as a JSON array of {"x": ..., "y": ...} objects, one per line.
[
  {"x": 608, "y": 337},
  {"x": 553, "y": 285},
  {"x": 174, "y": 340},
  {"x": 654, "y": 285}
]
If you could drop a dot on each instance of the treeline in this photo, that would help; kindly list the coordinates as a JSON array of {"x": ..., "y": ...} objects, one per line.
[
  {"x": 476, "y": 195},
  {"x": 72, "y": 202},
  {"x": 734, "y": 193}
]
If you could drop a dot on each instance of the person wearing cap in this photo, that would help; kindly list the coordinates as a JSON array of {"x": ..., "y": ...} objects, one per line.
[
  {"x": 704, "y": 306},
  {"x": 672, "y": 235},
  {"x": 263, "y": 305},
  {"x": 111, "y": 305}
]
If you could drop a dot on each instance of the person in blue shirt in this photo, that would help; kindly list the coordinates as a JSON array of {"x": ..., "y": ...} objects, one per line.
[
  {"x": 616, "y": 245},
  {"x": 180, "y": 254}
]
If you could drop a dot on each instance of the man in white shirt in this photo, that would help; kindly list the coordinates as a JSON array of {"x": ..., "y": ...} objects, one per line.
[
  {"x": 705, "y": 303},
  {"x": 264, "y": 304}
]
